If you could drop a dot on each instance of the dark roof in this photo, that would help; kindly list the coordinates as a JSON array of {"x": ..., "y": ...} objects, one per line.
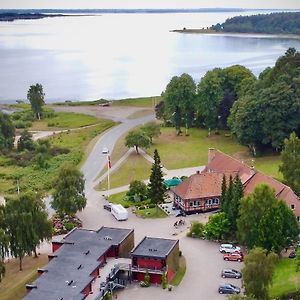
[
  {"x": 154, "y": 247},
  {"x": 68, "y": 273}
]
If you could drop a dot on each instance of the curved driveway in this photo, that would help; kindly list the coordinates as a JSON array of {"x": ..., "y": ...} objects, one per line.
[{"x": 96, "y": 160}]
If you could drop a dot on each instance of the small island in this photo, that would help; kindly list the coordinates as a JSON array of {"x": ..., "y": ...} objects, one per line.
[
  {"x": 286, "y": 23},
  {"x": 12, "y": 16}
]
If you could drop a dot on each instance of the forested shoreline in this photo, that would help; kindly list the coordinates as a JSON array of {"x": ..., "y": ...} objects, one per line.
[{"x": 274, "y": 23}]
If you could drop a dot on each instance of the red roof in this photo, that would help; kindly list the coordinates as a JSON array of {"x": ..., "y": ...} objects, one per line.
[
  {"x": 208, "y": 183},
  {"x": 202, "y": 185}
]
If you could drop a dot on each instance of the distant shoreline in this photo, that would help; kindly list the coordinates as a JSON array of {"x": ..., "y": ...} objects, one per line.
[
  {"x": 223, "y": 33},
  {"x": 10, "y": 17}
]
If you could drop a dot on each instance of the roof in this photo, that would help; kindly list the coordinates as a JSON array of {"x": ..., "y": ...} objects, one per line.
[
  {"x": 221, "y": 162},
  {"x": 202, "y": 185},
  {"x": 172, "y": 182},
  {"x": 68, "y": 273},
  {"x": 154, "y": 247}
]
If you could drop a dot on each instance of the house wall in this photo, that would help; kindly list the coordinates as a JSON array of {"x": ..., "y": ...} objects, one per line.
[
  {"x": 173, "y": 259},
  {"x": 112, "y": 252},
  {"x": 170, "y": 275},
  {"x": 87, "y": 289},
  {"x": 126, "y": 246},
  {"x": 149, "y": 263},
  {"x": 154, "y": 278},
  {"x": 56, "y": 246}
]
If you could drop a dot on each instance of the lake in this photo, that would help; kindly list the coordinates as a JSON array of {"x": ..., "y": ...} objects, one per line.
[{"x": 115, "y": 56}]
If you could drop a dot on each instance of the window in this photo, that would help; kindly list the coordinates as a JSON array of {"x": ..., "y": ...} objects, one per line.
[
  {"x": 191, "y": 204},
  {"x": 298, "y": 218},
  {"x": 217, "y": 201},
  {"x": 293, "y": 206}
]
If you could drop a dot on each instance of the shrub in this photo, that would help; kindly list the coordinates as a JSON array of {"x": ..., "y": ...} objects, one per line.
[
  {"x": 147, "y": 279},
  {"x": 164, "y": 280},
  {"x": 22, "y": 124},
  {"x": 69, "y": 226},
  {"x": 196, "y": 230},
  {"x": 137, "y": 190}
]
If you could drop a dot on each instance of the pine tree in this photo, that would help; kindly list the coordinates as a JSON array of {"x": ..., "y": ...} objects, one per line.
[
  {"x": 233, "y": 210},
  {"x": 156, "y": 186},
  {"x": 224, "y": 194},
  {"x": 229, "y": 196}
]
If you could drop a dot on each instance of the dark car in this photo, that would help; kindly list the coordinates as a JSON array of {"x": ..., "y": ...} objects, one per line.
[
  {"x": 107, "y": 207},
  {"x": 228, "y": 288},
  {"x": 181, "y": 214},
  {"x": 293, "y": 254},
  {"x": 231, "y": 273}
]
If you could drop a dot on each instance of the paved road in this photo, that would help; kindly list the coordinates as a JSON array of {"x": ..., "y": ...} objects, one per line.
[{"x": 96, "y": 160}]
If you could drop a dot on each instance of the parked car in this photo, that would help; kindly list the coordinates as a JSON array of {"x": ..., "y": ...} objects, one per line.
[
  {"x": 107, "y": 206},
  {"x": 228, "y": 288},
  {"x": 231, "y": 273},
  {"x": 105, "y": 150},
  {"x": 293, "y": 254},
  {"x": 181, "y": 214},
  {"x": 229, "y": 248},
  {"x": 235, "y": 256}
]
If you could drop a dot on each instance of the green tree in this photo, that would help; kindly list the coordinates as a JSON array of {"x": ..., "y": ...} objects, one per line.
[
  {"x": 137, "y": 190},
  {"x": 137, "y": 138},
  {"x": 218, "y": 227},
  {"x": 151, "y": 129},
  {"x": 36, "y": 96},
  {"x": 290, "y": 162},
  {"x": 156, "y": 187},
  {"x": 223, "y": 199},
  {"x": 180, "y": 96},
  {"x": 25, "y": 141},
  {"x": 233, "y": 211},
  {"x": 164, "y": 280},
  {"x": 266, "y": 221},
  {"x": 258, "y": 273},
  {"x": 196, "y": 230},
  {"x": 160, "y": 110},
  {"x": 7, "y": 133},
  {"x": 68, "y": 195},
  {"x": 4, "y": 250}
]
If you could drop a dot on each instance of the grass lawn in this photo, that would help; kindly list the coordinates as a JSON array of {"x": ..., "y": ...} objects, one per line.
[
  {"x": 140, "y": 114},
  {"x": 140, "y": 102},
  {"x": 286, "y": 279},
  {"x": 180, "y": 273},
  {"x": 37, "y": 179},
  {"x": 134, "y": 168},
  {"x": 269, "y": 165},
  {"x": 120, "y": 199},
  {"x": 64, "y": 120},
  {"x": 190, "y": 151},
  {"x": 151, "y": 213},
  {"x": 13, "y": 284}
]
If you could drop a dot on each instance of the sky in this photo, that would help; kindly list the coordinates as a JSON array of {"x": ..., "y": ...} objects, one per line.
[{"x": 149, "y": 4}]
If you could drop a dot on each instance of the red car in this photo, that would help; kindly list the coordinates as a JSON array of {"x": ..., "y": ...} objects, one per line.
[{"x": 235, "y": 256}]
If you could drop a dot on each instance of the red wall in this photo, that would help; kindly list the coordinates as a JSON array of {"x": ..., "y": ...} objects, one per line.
[
  {"x": 95, "y": 273},
  {"x": 154, "y": 278},
  {"x": 56, "y": 246},
  {"x": 149, "y": 263},
  {"x": 111, "y": 252},
  {"x": 87, "y": 290}
]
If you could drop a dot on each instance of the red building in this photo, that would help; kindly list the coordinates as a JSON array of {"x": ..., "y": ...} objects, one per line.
[
  {"x": 201, "y": 192},
  {"x": 155, "y": 256},
  {"x": 76, "y": 262}
]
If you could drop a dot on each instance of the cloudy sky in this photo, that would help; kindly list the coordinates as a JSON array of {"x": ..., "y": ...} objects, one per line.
[{"x": 148, "y": 3}]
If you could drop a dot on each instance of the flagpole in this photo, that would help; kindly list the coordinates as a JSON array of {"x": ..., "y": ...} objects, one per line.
[{"x": 108, "y": 179}]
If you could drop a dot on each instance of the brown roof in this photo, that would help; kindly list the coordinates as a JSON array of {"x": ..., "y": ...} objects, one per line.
[
  {"x": 220, "y": 162},
  {"x": 202, "y": 185}
]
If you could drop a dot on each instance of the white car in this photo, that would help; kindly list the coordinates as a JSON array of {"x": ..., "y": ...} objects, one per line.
[
  {"x": 229, "y": 248},
  {"x": 105, "y": 150}
]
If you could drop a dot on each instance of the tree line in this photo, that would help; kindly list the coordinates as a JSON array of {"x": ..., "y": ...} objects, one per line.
[
  {"x": 274, "y": 23},
  {"x": 261, "y": 112}
]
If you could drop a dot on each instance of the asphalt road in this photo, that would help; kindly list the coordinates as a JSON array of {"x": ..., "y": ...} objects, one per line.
[{"x": 96, "y": 160}]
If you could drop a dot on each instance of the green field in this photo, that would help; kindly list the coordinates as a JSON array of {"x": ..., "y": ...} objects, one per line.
[
  {"x": 286, "y": 279},
  {"x": 41, "y": 179},
  {"x": 14, "y": 282},
  {"x": 151, "y": 213},
  {"x": 191, "y": 151},
  {"x": 134, "y": 168},
  {"x": 139, "y": 102},
  {"x": 64, "y": 120}
]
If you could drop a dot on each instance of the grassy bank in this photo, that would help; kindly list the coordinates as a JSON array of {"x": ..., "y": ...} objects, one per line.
[
  {"x": 151, "y": 213},
  {"x": 180, "y": 273},
  {"x": 286, "y": 279},
  {"x": 138, "y": 102},
  {"x": 13, "y": 284},
  {"x": 31, "y": 177},
  {"x": 134, "y": 168}
]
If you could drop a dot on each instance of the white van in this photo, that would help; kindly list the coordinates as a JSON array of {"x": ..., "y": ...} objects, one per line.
[{"x": 119, "y": 212}]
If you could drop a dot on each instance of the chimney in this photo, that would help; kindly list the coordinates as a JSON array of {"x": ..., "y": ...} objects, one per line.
[
  {"x": 252, "y": 170},
  {"x": 211, "y": 154}
]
